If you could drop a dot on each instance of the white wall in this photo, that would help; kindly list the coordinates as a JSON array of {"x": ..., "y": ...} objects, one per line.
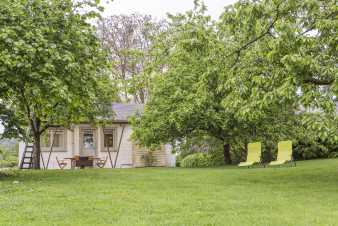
[
  {"x": 124, "y": 159},
  {"x": 61, "y": 154},
  {"x": 21, "y": 150},
  {"x": 73, "y": 146}
]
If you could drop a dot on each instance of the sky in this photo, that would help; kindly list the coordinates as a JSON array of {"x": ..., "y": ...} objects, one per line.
[{"x": 159, "y": 8}]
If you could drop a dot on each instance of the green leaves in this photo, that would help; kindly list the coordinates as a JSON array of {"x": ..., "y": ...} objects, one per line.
[
  {"x": 52, "y": 64},
  {"x": 245, "y": 77}
]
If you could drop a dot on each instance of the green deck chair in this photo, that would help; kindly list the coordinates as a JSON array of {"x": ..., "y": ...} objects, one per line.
[
  {"x": 254, "y": 154},
  {"x": 284, "y": 154}
]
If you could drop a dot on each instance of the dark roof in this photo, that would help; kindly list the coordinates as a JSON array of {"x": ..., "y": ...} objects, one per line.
[{"x": 124, "y": 111}]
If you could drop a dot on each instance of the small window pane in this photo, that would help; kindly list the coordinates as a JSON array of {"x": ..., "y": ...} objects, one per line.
[
  {"x": 57, "y": 140},
  {"x": 88, "y": 141},
  {"x": 108, "y": 140}
]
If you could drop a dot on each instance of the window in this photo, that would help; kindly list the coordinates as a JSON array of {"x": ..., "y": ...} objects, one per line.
[
  {"x": 88, "y": 141},
  {"x": 57, "y": 137},
  {"x": 109, "y": 138},
  {"x": 53, "y": 137}
]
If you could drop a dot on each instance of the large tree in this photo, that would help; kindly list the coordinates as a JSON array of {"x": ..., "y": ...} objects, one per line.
[
  {"x": 243, "y": 77},
  {"x": 53, "y": 70},
  {"x": 284, "y": 45},
  {"x": 129, "y": 39}
]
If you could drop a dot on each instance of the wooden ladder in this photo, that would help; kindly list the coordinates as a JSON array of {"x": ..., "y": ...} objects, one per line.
[{"x": 27, "y": 158}]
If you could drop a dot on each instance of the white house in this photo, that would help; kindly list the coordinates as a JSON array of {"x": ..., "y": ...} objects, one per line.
[{"x": 96, "y": 146}]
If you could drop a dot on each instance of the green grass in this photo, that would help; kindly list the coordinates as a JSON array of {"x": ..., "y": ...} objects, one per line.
[{"x": 303, "y": 195}]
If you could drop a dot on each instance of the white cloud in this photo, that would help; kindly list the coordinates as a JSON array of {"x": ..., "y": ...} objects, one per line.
[{"x": 159, "y": 8}]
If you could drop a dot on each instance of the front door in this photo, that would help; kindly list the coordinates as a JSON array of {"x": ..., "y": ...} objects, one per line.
[{"x": 88, "y": 142}]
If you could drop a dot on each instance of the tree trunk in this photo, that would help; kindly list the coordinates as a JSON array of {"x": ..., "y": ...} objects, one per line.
[
  {"x": 226, "y": 153},
  {"x": 35, "y": 127},
  {"x": 37, "y": 151}
]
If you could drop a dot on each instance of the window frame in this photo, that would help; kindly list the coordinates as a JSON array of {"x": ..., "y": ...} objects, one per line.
[
  {"x": 88, "y": 130},
  {"x": 46, "y": 146},
  {"x": 109, "y": 131}
]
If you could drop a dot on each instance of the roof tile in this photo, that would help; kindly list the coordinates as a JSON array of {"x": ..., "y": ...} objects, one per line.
[{"x": 124, "y": 111}]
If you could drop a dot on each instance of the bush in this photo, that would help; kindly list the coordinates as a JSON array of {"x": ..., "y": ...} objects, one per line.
[
  {"x": 201, "y": 143},
  {"x": 8, "y": 173},
  {"x": 178, "y": 160},
  {"x": 8, "y": 158},
  {"x": 311, "y": 149},
  {"x": 8, "y": 163},
  {"x": 196, "y": 160}
]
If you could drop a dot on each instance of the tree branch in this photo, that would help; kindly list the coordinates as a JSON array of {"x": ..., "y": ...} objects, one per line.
[
  {"x": 319, "y": 81},
  {"x": 313, "y": 25},
  {"x": 267, "y": 32},
  {"x": 27, "y": 107}
]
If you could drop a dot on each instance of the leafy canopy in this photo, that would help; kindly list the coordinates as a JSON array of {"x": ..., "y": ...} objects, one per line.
[
  {"x": 52, "y": 67},
  {"x": 247, "y": 76}
]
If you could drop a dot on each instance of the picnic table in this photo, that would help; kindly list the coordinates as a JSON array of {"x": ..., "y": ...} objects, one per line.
[{"x": 82, "y": 161}]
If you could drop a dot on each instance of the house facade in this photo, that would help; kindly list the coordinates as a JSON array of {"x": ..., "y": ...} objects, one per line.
[{"x": 110, "y": 144}]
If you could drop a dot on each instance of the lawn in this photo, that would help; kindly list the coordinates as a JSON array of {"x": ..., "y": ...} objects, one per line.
[{"x": 303, "y": 195}]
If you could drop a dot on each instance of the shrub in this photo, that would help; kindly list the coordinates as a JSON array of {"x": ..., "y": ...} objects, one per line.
[
  {"x": 201, "y": 143},
  {"x": 7, "y": 158},
  {"x": 196, "y": 160},
  {"x": 8, "y": 163},
  {"x": 311, "y": 149},
  {"x": 178, "y": 160},
  {"x": 8, "y": 173}
]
